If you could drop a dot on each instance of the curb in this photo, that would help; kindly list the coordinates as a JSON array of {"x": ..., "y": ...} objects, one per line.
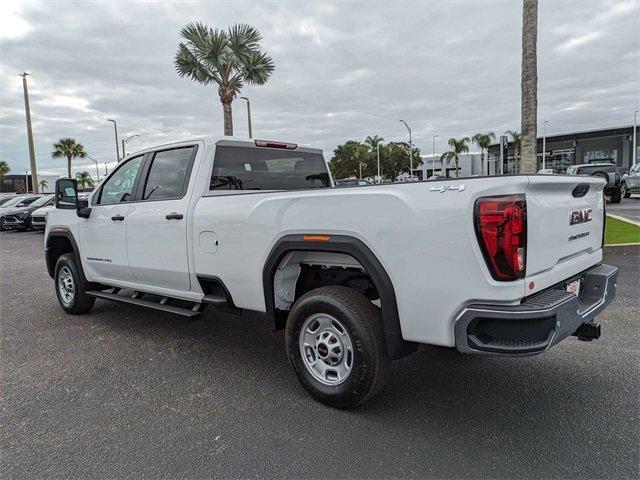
[
  {"x": 618, "y": 217},
  {"x": 621, "y": 245}
]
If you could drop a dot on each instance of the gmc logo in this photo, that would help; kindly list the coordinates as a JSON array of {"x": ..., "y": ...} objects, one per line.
[{"x": 577, "y": 217}]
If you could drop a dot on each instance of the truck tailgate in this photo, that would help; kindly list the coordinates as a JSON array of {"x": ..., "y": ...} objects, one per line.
[{"x": 565, "y": 217}]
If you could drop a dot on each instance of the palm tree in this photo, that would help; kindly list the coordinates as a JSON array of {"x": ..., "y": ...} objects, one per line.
[
  {"x": 483, "y": 140},
  {"x": 516, "y": 138},
  {"x": 228, "y": 59},
  {"x": 4, "y": 169},
  {"x": 69, "y": 148},
  {"x": 43, "y": 184},
  {"x": 458, "y": 147},
  {"x": 84, "y": 179},
  {"x": 529, "y": 86}
]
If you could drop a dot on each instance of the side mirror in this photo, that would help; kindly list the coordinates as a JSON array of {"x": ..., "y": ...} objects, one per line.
[
  {"x": 66, "y": 196},
  {"x": 83, "y": 210}
]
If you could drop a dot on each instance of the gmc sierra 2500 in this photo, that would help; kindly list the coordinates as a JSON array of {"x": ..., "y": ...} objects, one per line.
[{"x": 357, "y": 275}]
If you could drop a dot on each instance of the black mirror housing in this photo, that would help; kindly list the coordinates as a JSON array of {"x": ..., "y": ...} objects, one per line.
[
  {"x": 66, "y": 196},
  {"x": 83, "y": 210}
]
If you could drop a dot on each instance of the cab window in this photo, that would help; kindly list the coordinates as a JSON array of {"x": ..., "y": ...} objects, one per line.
[
  {"x": 119, "y": 187},
  {"x": 169, "y": 174}
]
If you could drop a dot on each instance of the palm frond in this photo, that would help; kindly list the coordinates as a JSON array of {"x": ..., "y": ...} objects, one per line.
[
  {"x": 257, "y": 68},
  {"x": 244, "y": 39}
]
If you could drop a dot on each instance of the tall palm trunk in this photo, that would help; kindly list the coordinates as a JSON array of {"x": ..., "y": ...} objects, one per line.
[
  {"x": 529, "y": 86},
  {"x": 482, "y": 161},
  {"x": 226, "y": 97},
  {"x": 457, "y": 167},
  {"x": 69, "y": 165}
]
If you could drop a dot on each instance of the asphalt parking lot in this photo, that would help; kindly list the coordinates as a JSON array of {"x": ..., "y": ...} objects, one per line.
[
  {"x": 122, "y": 392},
  {"x": 628, "y": 208}
]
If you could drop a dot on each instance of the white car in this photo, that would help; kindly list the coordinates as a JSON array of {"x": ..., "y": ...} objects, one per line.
[
  {"x": 546, "y": 171},
  {"x": 631, "y": 181},
  {"x": 357, "y": 277},
  {"x": 39, "y": 217}
]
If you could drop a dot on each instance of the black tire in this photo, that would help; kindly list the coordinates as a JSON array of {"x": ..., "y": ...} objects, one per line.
[
  {"x": 363, "y": 323},
  {"x": 2, "y": 229},
  {"x": 80, "y": 302},
  {"x": 626, "y": 192},
  {"x": 616, "y": 195}
]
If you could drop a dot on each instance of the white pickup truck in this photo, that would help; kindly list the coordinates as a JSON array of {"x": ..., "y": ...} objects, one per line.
[{"x": 357, "y": 275}]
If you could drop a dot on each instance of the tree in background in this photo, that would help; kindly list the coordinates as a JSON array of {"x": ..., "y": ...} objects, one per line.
[
  {"x": 483, "y": 140},
  {"x": 228, "y": 59},
  {"x": 516, "y": 138},
  {"x": 84, "y": 179},
  {"x": 43, "y": 184},
  {"x": 68, "y": 148},
  {"x": 529, "y": 86},
  {"x": 4, "y": 169},
  {"x": 346, "y": 159},
  {"x": 395, "y": 160},
  {"x": 458, "y": 147}
]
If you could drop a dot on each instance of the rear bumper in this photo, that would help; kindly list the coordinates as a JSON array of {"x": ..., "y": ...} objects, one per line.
[{"x": 539, "y": 322}]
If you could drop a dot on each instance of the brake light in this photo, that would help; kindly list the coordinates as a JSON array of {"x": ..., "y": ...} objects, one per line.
[
  {"x": 270, "y": 144},
  {"x": 501, "y": 228}
]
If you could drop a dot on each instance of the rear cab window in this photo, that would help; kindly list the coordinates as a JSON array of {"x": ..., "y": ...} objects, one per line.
[{"x": 258, "y": 168}]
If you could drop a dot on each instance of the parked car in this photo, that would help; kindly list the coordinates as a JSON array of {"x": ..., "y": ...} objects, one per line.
[
  {"x": 251, "y": 225},
  {"x": 39, "y": 216},
  {"x": 608, "y": 171},
  {"x": 631, "y": 181},
  {"x": 15, "y": 202},
  {"x": 546, "y": 171},
  {"x": 352, "y": 182},
  {"x": 19, "y": 218}
]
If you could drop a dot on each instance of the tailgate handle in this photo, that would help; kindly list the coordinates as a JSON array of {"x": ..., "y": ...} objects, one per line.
[{"x": 581, "y": 190}]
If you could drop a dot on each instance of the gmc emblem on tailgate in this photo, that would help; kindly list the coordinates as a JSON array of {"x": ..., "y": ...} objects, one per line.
[{"x": 577, "y": 217}]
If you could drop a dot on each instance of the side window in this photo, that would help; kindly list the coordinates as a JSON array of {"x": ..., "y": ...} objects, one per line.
[
  {"x": 169, "y": 174},
  {"x": 119, "y": 187}
]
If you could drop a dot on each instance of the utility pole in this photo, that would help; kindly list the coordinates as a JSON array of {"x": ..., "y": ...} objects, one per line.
[
  {"x": 433, "y": 157},
  {"x": 115, "y": 129},
  {"x": 544, "y": 144},
  {"x": 634, "y": 155},
  {"x": 248, "y": 115},
  {"x": 32, "y": 153},
  {"x": 378, "y": 152},
  {"x": 26, "y": 181},
  {"x": 410, "y": 151}
]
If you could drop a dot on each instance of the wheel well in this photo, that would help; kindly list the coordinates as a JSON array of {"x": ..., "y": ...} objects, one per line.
[{"x": 56, "y": 246}]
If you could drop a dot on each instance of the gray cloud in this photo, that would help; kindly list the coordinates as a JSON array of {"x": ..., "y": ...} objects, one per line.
[{"x": 343, "y": 70}]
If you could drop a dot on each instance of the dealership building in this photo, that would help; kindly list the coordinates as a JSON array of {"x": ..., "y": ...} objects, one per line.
[{"x": 614, "y": 145}]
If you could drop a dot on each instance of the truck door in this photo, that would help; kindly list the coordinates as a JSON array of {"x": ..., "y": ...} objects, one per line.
[
  {"x": 157, "y": 223},
  {"x": 103, "y": 235}
]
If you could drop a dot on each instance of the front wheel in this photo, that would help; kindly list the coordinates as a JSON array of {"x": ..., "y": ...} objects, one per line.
[
  {"x": 71, "y": 286},
  {"x": 625, "y": 191},
  {"x": 616, "y": 195},
  {"x": 336, "y": 345}
]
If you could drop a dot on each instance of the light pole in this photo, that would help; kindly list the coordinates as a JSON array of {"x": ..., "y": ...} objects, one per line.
[
  {"x": 26, "y": 182},
  {"x": 433, "y": 157},
  {"x": 635, "y": 135},
  {"x": 106, "y": 170},
  {"x": 125, "y": 141},
  {"x": 96, "y": 162},
  {"x": 32, "y": 154},
  {"x": 410, "y": 151},
  {"x": 248, "y": 115},
  {"x": 378, "y": 153},
  {"x": 115, "y": 129},
  {"x": 544, "y": 144}
]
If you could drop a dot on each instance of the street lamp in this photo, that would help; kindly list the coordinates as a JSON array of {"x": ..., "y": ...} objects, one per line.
[
  {"x": 544, "y": 144},
  {"x": 378, "y": 152},
  {"x": 248, "y": 115},
  {"x": 635, "y": 135},
  {"x": 96, "y": 162},
  {"x": 32, "y": 154},
  {"x": 433, "y": 157},
  {"x": 410, "y": 151},
  {"x": 125, "y": 141},
  {"x": 115, "y": 129}
]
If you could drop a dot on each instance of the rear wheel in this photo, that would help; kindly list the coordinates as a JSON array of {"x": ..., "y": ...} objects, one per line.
[
  {"x": 71, "y": 286},
  {"x": 616, "y": 195},
  {"x": 336, "y": 346}
]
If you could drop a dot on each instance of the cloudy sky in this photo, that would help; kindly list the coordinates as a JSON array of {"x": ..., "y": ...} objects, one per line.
[{"x": 343, "y": 70}]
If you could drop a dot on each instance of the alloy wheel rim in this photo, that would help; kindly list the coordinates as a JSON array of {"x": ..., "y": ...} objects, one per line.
[
  {"x": 326, "y": 349},
  {"x": 66, "y": 285}
]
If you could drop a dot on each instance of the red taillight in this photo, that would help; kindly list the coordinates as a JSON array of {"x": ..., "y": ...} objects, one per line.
[{"x": 501, "y": 228}]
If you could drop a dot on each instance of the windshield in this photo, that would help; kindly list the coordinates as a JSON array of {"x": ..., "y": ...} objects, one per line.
[
  {"x": 42, "y": 201},
  {"x": 15, "y": 201}
]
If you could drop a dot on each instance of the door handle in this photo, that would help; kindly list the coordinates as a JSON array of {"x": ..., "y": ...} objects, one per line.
[
  {"x": 117, "y": 218},
  {"x": 174, "y": 216}
]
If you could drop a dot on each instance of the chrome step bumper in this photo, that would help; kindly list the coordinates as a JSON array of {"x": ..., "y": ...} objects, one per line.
[{"x": 539, "y": 322}]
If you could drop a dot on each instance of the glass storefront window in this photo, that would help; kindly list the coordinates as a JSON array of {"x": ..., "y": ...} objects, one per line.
[{"x": 600, "y": 156}]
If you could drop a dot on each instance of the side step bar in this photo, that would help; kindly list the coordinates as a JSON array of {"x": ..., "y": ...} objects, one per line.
[{"x": 136, "y": 300}]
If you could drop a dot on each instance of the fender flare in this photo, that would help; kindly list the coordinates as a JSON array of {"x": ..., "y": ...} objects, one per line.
[
  {"x": 64, "y": 232},
  {"x": 397, "y": 347}
]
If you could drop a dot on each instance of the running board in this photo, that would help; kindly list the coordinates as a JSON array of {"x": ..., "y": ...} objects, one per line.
[{"x": 135, "y": 300}]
